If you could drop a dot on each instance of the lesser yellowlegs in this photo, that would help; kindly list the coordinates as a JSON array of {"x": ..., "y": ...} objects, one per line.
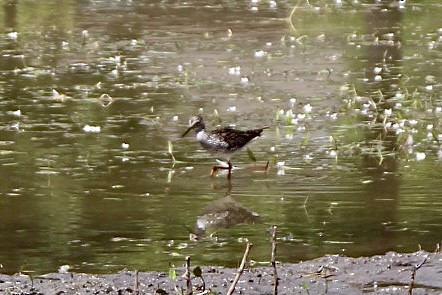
[{"x": 223, "y": 142}]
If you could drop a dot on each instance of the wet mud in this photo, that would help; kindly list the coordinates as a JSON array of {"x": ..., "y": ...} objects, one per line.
[{"x": 392, "y": 273}]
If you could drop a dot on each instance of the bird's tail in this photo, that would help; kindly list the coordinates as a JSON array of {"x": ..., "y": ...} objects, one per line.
[{"x": 260, "y": 130}]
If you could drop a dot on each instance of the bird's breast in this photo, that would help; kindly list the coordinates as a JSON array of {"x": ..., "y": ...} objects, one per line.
[{"x": 212, "y": 143}]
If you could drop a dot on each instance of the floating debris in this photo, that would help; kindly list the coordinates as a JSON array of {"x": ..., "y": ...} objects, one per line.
[
  {"x": 231, "y": 109},
  {"x": 307, "y": 108},
  {"x": 15, "y": 126},
  {"x": 64, "y": 268},
  {"x": 377, "y": 70},
  {"x": 429, "y": 88},
  {"x": 234, "y": 70},
  {"x": 244, "y": 80},
  {"x": 85, "y": 33},
  {"x": 12, "y": 35},
  {"x": 105, "y": 100},
  {"x": 332, "y": 154},
  {"x": 58, "y": 96},
  {"x": 64, "y": 45},
  {"x": 16, "y": 113},
  {"x": 260, "y": 53},
  {"x": 92, "y": 129},
  {"x": 229, "y": 33},
  {"x": 420, "y": 156},
  {"x": 280, "y": 166}
]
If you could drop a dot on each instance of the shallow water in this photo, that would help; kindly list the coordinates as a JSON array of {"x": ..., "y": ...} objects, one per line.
[{"x": 92, "y": 92}]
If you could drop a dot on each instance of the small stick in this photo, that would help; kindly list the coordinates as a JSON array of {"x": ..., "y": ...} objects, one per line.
[
  {"x": 305, "y": 202},
  {"x": 187, "y": 276},
  {"x": 275, "y": 273},
  {"x": 305, "y": 207},
  {"x": 292, "y": 12},
  {"x": 170, "y": 152},
  {"x": 413, "y": 273},
  {"x": 136, "y": 283},
  {"x": 240, "y": 269}
]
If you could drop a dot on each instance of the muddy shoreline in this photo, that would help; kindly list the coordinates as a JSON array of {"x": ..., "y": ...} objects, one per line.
[{"x": 332, "y": 274}]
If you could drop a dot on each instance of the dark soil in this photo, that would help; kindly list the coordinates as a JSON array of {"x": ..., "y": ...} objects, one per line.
[{"x": 383, "y": 274}]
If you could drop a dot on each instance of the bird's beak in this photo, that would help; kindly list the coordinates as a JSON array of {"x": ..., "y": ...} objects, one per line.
[
  {"x": 187, "y": 131},
  {"x": 190, "y": 128}
]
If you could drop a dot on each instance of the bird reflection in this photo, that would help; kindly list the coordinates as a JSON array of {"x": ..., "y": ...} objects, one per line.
[{"x": 222, "y": 213}]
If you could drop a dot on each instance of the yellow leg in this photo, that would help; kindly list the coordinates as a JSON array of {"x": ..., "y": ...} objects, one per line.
[{"x": 215, "y": 168}]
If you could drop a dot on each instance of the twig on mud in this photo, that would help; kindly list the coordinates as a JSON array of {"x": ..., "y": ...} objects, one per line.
[
  {"x": 413, "y": 274},
  {"x": 275, "y": 273},
  {"x": 187, "y": 277},
  {"x": 198, "y": 273},
  {"x": 240, "y": 269},
  {"x": 136, "y": 284},
  {"x": 325, "y": 272}
]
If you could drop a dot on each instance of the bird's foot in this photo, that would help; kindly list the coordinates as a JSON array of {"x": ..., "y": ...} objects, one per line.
[{"x": 216, "y": 168}]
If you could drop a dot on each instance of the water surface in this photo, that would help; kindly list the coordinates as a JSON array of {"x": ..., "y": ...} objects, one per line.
[{"x": 92, "y": 92}]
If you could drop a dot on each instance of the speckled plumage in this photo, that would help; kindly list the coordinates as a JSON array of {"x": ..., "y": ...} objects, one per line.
[{"x": 223, "y": 142}]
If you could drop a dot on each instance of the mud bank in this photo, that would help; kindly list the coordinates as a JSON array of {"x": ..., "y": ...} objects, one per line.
[{"x": 383, "y": 274}]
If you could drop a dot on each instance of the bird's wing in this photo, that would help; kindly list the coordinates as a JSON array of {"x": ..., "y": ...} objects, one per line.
[{"x": 233, "y": 138}]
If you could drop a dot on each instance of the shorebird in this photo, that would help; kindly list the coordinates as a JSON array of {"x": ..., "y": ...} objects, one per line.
[{"x": 223, "y": 142}]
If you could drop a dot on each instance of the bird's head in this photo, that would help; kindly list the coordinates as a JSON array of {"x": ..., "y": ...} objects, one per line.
[{"x": 195, "y": 122}]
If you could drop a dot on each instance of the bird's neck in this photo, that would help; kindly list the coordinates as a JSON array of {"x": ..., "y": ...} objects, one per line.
[{"x": 199, "y": 128}]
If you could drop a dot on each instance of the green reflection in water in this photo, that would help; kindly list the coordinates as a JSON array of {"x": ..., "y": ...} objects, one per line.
[{"x": 106, "y": 200}]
